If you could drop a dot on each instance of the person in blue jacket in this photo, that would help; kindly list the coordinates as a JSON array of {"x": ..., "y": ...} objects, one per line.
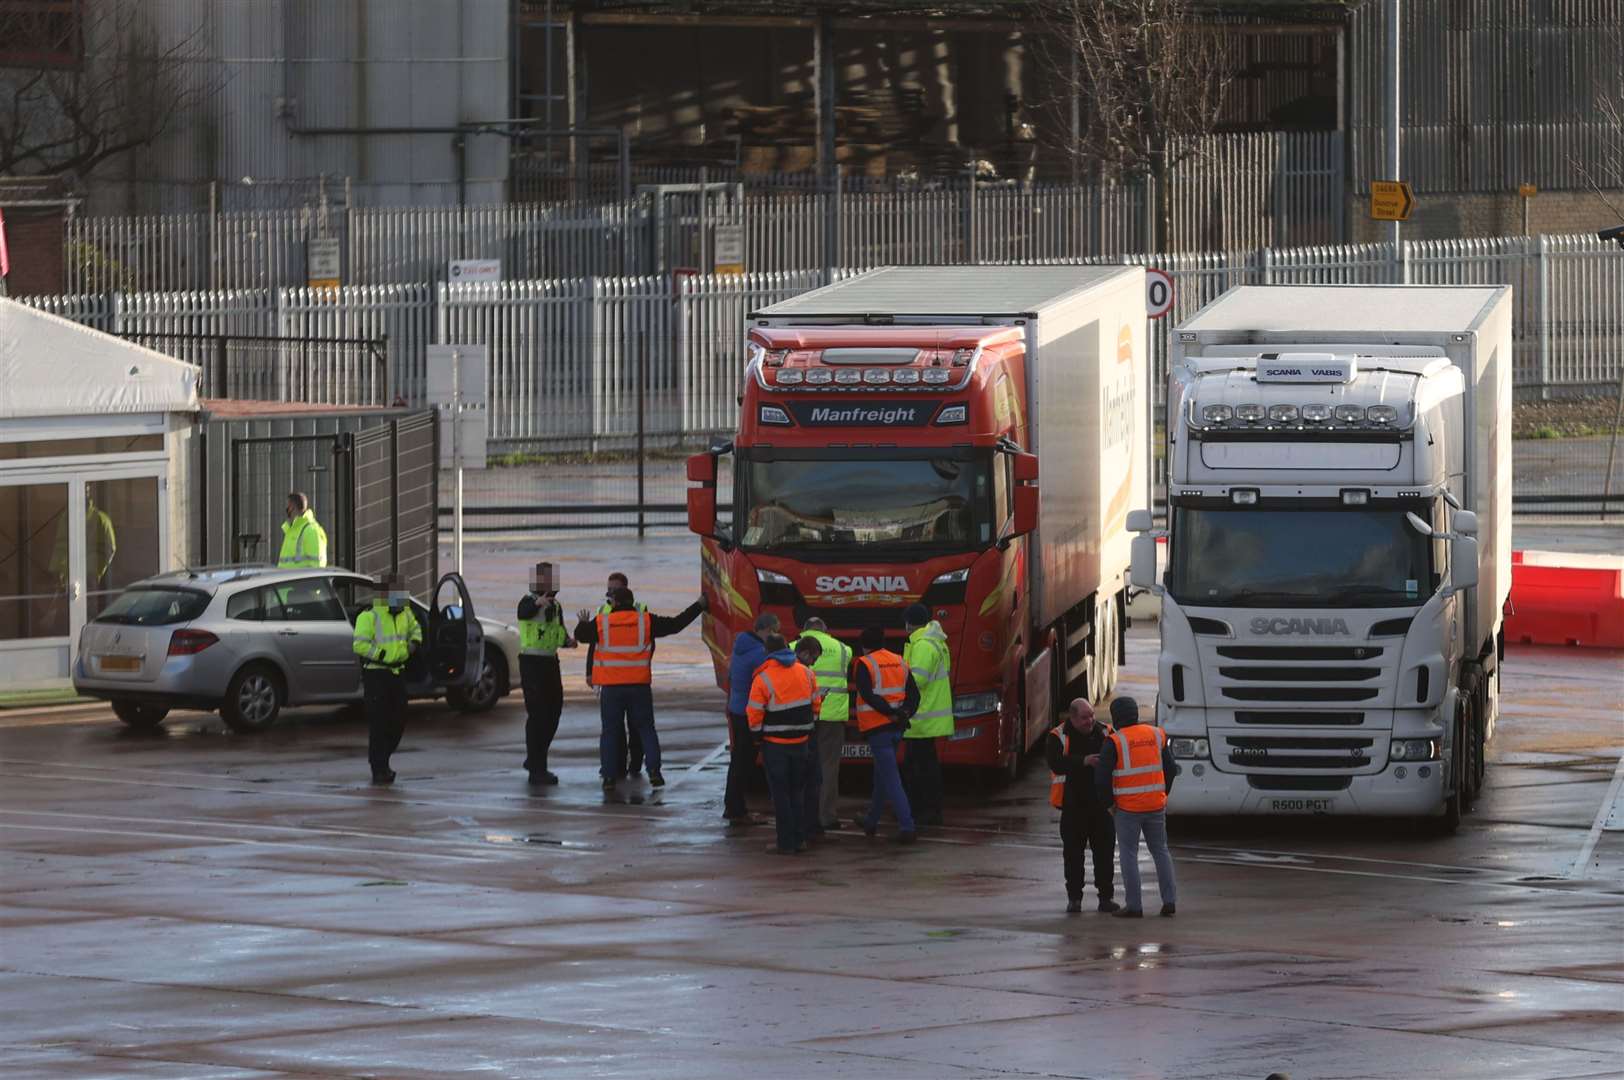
[{"x": 749, "y": 653}]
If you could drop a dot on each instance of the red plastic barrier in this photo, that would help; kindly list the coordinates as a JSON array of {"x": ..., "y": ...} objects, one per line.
[{"x": 1559, "y": 598}]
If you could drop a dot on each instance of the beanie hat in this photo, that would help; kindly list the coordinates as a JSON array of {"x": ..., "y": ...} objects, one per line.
[
  {"x": 916, "y": 615},
  {"x": 1124, "y": 710}
]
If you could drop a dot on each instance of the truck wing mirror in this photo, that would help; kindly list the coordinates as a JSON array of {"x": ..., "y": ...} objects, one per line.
[
  {"x": 1418, "y": 523},
  {"x": 1140, "y": 521},
  {"x": 702, "y": 510},
  {"x": 1464, "y": 522},
  {"x": 1462, "y": 563},
  {"x": 1142, "y": 573},
  {"x": 1026, "y": 468},
  {"x": 1026, "y": 510},
  {"x": 702, "y": 468}
]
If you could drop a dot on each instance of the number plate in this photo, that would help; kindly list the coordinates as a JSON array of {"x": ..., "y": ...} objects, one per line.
[
  {"x": 121, "y": 663},
  {"x": 1301, "y": 806},
  {"x": 857, "y": 750}
]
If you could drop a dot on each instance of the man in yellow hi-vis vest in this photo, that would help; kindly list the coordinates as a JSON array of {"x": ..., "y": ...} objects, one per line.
[
  {"x": 304, "y": 541},
  {"x": 541, "y": 635},
  {"x": 930, "y": 665},
  {"x": 386, "y": 636}
]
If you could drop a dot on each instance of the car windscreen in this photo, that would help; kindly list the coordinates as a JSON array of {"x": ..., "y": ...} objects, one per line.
[{"x": 155, "y": 607}]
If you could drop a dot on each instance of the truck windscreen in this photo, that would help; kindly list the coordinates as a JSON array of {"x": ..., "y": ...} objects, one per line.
[
  {"x": 1342, "y": 557},
  {"x": 896, "y": 500}
]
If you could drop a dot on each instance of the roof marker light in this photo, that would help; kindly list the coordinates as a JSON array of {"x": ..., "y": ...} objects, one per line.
[
  {"x": 790, "y": 377},
  {"x": 1243, "y": 496},
  {"x": 1355, "y": 496},
  {"x": 907, "y": 376},
  {"x": 1382, "y": 414},
  {"x": 1282, "y": 414},
  {"x": 1317, "y": 412},
  {"x": 1350, "y": 414},
  {"x": 848, "y": 376},
  {"x": 876, "y": 376},
  {"x": 937, "y": 376},
  {"x": 1251, "y": 412},
  {"x": 820, "y": 377},
  {"x": 1217, "y": 414}
]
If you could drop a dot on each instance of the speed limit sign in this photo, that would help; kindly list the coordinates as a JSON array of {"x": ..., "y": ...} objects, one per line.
[{"x": 1158, "y": 293}]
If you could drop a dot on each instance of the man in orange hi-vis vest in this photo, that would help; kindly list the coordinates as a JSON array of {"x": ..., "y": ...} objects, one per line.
[
  {"x": 623, "y": 666},
  {"x": 886, "y": 699},
  {"x": 1073, "y": 749},
  {"x": 1137, "y": 769}
]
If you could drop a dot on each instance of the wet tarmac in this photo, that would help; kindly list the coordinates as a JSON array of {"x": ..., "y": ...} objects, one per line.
[{"x": 195, "y": 903}]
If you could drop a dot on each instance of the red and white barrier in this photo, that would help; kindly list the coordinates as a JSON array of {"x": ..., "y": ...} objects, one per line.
[{"x": 1561, "y": 598}]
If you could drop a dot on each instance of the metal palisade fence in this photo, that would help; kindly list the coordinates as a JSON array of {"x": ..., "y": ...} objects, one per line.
[
  {"x": 1233, "y": 191},
  {"x": 598, "y": 366}
]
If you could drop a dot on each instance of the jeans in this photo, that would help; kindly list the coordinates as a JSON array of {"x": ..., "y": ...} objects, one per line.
[
  {"x": 1154, "y": 827},
  {"x": 741, "y": 765},
  {"x": 887, "y": 782},
  {"x": 543, "y": 705},
  {"x": 1085, "y": 829},
  {"x": 384, "y": 694},
  {"x": 830, "y": 737},
  {"x": 922, "y": 779},
  {"x": 623, "y": 707},
  {"x": 787, "y": 771}
]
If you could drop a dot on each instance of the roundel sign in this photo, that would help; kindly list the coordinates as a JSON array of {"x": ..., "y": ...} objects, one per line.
[{"x": 1158, "y": 293}]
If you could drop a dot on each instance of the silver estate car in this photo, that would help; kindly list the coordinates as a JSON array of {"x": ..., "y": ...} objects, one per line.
[{"x": 249, "y": 640}]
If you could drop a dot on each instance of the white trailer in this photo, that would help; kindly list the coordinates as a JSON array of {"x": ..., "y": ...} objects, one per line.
[{"x": 1339, "y": 548}]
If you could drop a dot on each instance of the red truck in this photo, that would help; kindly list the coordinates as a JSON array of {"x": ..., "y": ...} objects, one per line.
[{"x": 887, "y": 452}]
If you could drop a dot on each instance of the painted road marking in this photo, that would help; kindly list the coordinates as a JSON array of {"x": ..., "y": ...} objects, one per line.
[
  {"x": 1606, "y": 815},
  {"x": 696, "y": 766}
]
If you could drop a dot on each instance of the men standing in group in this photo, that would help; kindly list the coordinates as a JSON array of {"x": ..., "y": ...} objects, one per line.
[
  {"x": 633, "y": 757},
  {"x": 1137, "y": 768},
  {"x": 886, "y": 697},
  {"x": 930, "y": 668},
  {"x": 1073, "y": 749},
  {"x": 780, "y": 715},
  {"x": 304, "y": 541},
  {"x": 623, "y": 671},
  {"x": 833, "y": 671},
  {"x": 749, "y": 653},
  {"x": 386, "y": 636},
  {"x": 541, "y": 635}
]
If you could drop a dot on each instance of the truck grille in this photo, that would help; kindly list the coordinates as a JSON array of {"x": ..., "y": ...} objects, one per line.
[
  {"x": 1300, "y": 717},
  {"x": 1298, "y": 752},
  {"x": 1299, "y": 783},
  {"x": 1299, "y": 652},
  {"x": 1298, "y": 693},
  {"x": 1300, "y": 674}
]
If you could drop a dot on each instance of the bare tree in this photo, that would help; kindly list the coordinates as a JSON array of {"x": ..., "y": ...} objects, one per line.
[
  {"x": 82, "y": 81},
  {"x": 1604, "y": 173},
  {"x": 1149, "y": 81}
]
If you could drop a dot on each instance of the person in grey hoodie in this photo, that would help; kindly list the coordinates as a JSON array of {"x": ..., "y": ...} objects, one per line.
[{"x": 749, "y": 653}]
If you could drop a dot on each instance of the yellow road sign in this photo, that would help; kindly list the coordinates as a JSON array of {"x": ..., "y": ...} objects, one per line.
[{"x": 1391, "y": 200}]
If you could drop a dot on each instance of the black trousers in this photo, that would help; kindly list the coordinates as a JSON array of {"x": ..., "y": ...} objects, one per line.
[
  {"x": 922, "y": 780},
  {"x": 384, "y": 693},
  {"x": 741, "y": 765},
  {"x": 1091, "y": 828},
  {"x": 543, "y": 705},
  {"x": 634, "y": 749}
]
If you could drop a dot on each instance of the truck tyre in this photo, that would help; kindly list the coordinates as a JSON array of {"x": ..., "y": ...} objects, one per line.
[
  {"x": 1113, "y": 655},
  {"x": 1480, "y": 713},
  {"x": 138, "y": 715},
  {"x": 1455, "y": 802},
  {"x": 254, "y": 699}
]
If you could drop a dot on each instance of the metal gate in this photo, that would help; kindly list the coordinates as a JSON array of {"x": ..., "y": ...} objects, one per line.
[
  {"x": 686, "y": 220},
  {"x": 374, "y": 490}
]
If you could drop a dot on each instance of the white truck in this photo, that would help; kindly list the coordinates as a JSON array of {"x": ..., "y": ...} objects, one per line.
[{"x": 1338, "y": 548}]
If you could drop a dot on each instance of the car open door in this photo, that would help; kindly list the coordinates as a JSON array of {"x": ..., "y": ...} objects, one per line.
[{"x": 456, "y": 640}]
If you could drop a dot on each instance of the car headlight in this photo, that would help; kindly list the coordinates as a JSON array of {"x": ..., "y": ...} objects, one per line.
[
  {"x": 1190, "y": 748},
  {"x": 1414, "y": 750},
  {"x": 976, "y": 704}
]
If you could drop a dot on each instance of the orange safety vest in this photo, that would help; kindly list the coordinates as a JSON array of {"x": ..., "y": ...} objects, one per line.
[
  {"x": 781, "y": 703},
  {"x": 890, "y": 677},
  {"x": 1057, "y": 782},
  {"x": 625, "y": 652},
  {"x": 1137, "y": 782}
]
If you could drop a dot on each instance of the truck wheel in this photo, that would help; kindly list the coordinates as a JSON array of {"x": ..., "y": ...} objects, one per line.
[
  {"x": 1480, "y": 738},
  {"x": 138, "y": 715},
  {"x": 254, "y": 699},
  {"x": 1455, "y": 802},
  {"x": 1113, "y": 655}
]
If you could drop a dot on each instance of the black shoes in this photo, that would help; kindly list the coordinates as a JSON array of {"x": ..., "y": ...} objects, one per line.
[
  {"x": 831, "y": 826},
  {"x": 608, "y": 783},
  {"x": 870, "y": 830},
  {"x": 1109, "y": 906},
  {"x": 1168, "y": 911},
  {"x": 543, "y": 779},
  {"x": 907, "y": 837},
  {"x": 774, "y": 849},
  {"x": 1127, "y": 913},
  {"x": 655, "y": 778},
  {"x": 1074, "y": 906},
  {"x": 383, "y": 777}
]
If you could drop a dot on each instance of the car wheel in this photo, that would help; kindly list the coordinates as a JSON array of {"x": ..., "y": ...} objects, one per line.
[
  {"x": 138, "y": 715},
  {"x": 254, "y": 699},
  {"x": 487, "y": 689}
]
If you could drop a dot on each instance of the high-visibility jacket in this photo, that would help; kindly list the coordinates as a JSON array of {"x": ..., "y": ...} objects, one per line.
[
  {"x": 832, "y": 672},
  {"x": 381, "y": 637},
  {"x": 781, "y": 701},
  {"x": 606, "y": 607},
  {"x": 543, "y": 636},
  {"x": 624, "y": 655},
  {"x": 101, "y": 544},
  {"x": 304, "y": 542},
  {"x": 930, "y": 664},
  {"x": 1138, "y": 783},
  {"x": 1057, "y": 781},
  {"x": 890, "y": 677}
]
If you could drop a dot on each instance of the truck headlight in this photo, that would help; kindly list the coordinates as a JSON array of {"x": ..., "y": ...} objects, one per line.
[
  {"x": 1414, "y": 750},
  {"x": 1190, "y": 748},
  {"x": 771, "y": 577},
  {"x": 968, "y": 705}
]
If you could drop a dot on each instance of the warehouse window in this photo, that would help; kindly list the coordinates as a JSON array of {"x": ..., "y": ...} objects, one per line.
[{"x": 41, "y": 33}]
